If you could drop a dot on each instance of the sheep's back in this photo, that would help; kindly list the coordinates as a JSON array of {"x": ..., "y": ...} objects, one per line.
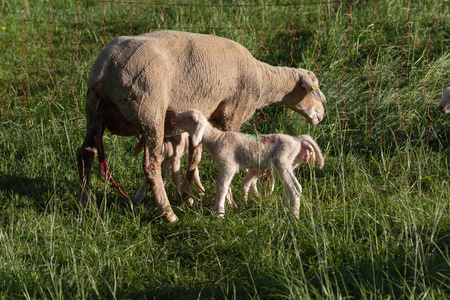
[{"x": 189, "y": 70}]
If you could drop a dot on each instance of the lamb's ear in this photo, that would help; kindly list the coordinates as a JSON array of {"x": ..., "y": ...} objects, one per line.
[
  {"x": 197, "y": 136},
  {"x": 313, "y": 89},
  {"x": 309, "y": 152}
]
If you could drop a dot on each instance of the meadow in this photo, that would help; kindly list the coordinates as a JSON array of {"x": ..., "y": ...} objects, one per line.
[{"x": 374, "y": 222}]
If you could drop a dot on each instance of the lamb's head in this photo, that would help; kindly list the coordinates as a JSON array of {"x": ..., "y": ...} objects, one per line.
[
  {"x": 306, "y": 98},
  {"x": 445, "y": 102},
  {"x": 192, "y": 121},
  {"x": 309, "y": 149}
]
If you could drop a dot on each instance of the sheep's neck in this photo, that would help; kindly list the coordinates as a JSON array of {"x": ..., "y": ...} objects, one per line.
[{"x": 277, "y": 82}]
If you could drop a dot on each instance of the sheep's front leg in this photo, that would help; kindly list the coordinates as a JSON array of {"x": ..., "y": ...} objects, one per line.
[
  {"x": 152, "y": 171},
  {"x": 222, "y": 186},
  {"x": 194, "y": 157}
]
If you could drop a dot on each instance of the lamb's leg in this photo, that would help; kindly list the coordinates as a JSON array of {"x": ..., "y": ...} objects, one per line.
[
  {"x": 141, "y": 192},
  {"x": 176, "y": 176},
  {"x": 270, "y": 185},
  {"x": 139, "y": 197},
  {"x": 249, "y": 181},
  {"x": 230, "y": 199},
  {"x": 198, "y": 183},
  {"x": 166, "y": 177},
  {"x": 222, "y": 186},
  {"x": 194, "y": 157},
  {"x": 292, "y": 188},
  {"x": 152, "y": 171}
]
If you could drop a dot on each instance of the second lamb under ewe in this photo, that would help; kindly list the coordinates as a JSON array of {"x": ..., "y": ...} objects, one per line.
[
  {"x": 234, "y": 151},
  {"x": 173, "y": 149}
]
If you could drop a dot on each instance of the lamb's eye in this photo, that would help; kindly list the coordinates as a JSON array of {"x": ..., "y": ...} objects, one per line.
[{"x": 191, "y": 118}]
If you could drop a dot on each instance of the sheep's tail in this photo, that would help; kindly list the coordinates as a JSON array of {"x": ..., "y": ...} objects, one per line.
[
  {"x": 317, "y": 151},
  {"x": 97, "y": 132}
]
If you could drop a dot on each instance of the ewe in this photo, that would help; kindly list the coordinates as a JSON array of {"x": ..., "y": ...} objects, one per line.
[{"x": 138, "y": 83}]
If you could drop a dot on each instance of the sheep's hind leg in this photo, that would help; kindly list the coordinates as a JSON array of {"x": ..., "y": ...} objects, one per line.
[
  {"x": 85, "y": 160},
  {"x": 86, "y": 153}
]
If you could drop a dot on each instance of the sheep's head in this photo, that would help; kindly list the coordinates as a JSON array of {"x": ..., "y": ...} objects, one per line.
[
  {"x": 192, "y": 121},
  {"x": 445, "y": 102},
  {"x": 306, "y": 98}
]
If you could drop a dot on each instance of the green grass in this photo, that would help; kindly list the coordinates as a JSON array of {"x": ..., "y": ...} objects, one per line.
[{"x": 374, "y": 222}]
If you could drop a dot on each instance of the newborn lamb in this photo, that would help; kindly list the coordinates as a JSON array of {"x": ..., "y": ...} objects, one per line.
[{"x": 235, "y": 151}]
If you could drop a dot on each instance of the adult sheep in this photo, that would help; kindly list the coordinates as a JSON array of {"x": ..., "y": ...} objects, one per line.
[{"x": 138, "y": 83}]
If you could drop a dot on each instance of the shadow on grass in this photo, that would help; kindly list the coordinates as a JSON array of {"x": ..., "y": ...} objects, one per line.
[{"x": 29, "y": 191}]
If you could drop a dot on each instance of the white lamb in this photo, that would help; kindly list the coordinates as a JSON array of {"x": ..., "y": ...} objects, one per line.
[{"x": 234, "y": 151}]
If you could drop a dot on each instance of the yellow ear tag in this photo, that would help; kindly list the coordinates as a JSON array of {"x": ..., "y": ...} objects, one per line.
[{"x": 314, "y": 87}]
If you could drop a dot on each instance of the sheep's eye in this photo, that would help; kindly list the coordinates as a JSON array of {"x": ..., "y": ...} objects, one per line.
[{"x": 191, "y": 118}]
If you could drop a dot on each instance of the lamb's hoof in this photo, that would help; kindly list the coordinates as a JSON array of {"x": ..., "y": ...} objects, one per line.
[
  {"x": 190, "y": 201},
  {"x": 219, "y": 215},
  {"x": 171, "y": 217},
  {"x": 219, "y": 212}
]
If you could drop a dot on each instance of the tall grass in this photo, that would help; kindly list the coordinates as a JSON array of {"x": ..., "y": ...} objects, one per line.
[{"x": 374, "y": 222}]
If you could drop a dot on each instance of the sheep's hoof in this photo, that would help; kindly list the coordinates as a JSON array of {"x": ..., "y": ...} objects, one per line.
[
  {"x": 137, "y": 199},
  {"x": 171, "y": 217}
]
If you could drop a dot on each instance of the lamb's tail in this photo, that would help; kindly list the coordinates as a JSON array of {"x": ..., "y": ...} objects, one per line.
[
  {"x": 317, "y": 151},
  {"x": 97, "y": 130}
]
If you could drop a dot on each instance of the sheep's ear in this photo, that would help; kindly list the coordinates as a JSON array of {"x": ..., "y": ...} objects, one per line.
[
  {"x": 313, "y": 89},
  {"x": 197, "y": 136}
]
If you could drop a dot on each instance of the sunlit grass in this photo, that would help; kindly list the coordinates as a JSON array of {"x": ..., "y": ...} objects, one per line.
[{"x": 374, "y": 222}]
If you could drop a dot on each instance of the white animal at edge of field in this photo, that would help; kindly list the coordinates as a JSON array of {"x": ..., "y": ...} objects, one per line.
[{"x": 445, "y": 102}]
